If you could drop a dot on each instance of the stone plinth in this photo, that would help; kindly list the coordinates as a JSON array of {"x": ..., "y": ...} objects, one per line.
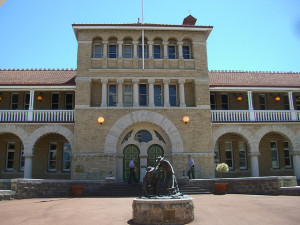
[{"x": 163, "y": 211}]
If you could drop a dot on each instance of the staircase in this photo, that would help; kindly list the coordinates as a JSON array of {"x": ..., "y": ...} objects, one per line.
[
  {"x": 7, "y": 195},
  {"x": 193, "y": 190}
]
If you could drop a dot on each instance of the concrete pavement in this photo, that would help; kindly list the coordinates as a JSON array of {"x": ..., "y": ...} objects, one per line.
[{"x": 209, "y": 209}]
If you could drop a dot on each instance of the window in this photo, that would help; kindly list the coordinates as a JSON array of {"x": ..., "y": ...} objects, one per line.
[
  {"x": 298, "y": 102},
  {"x": 274, "y": 153},
  {"x": 127, "y": 137},
  {"x": 143, "y": 94},
  {"x": 262, "y": 102},
  {"x": 112, "y": 51},
  {"x": 172, "y": 95},
  {"x": 242, "y": 155},
  {"x": 26, "y": 101},
  {"x": 157, "y": 52},
  {"x": 229, "y": 154},
  {"x": 172, "y": 52},
  {"x": 69, "y": 101},
  {"x": 66, "y": 157},
  {"x": 97, "y": 53},
  {"x": 186, "y": 52},
  {"x": 54, "y": 101},
  {"x": 217, "y": 152},
  {"x": 127, "y": 95},
  {"x": 157, "y": 95},
  {"x": 52, "y": 157},
  {"x": 224, "y": 98},
  {"x": 14, "y": 101},
  {"x": 22, "y": 158},
  {"x": 112, "y": 95},
  {"x": 212, "y": 101},
  {"x": 287, "y": 156},
  {"x": 127, "y": 52},
  {"x": 10, "y": 154},
  {"x": 159, "y": 137},
  {"x": 286, "y": 102},
  {"x": 143, "y": 136},
  {"x": 145, "y": 51}
]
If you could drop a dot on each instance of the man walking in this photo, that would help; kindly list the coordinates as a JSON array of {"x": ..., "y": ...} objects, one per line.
[
  {"x": 191, "y": 168},
  {"x": 132, "y": 171}
]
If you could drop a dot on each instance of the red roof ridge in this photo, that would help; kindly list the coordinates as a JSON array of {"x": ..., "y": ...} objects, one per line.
[{"x": 242, "y": 71}]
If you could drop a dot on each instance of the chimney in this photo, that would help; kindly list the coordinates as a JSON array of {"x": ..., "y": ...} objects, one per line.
[{"x": 189, "y": 20}]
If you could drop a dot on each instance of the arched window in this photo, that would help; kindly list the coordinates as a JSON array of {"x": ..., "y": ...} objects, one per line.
[
  {"x": 143, "y": 136},
  {"x": 127, "y": 137},
  {"x": 159, "y": 137},
  {"x": 97, "y": 48}
]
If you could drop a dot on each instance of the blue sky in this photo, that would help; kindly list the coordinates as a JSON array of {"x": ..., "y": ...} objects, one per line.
[{"x": 250, "y": 35}]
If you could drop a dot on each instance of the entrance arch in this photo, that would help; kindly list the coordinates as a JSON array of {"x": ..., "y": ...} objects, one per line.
[{"x": 129, "y": 152}]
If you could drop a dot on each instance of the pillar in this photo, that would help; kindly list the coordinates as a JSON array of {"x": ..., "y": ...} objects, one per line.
[
  {"x": 135, "y": 92},
  {"x": 120, "y": 50},
  {"x": 166, "y": 93},
  {"x": 31, "y": 103},
  {"x": 250, "y": 106},
  {"x": 181, "y": 93},
  {"x": 135, "y": 49},
  {"x": 120, "y": 92},
  {"x": 180, "y": 53},
  {"x": 296, "y": 164},
  {"x": 165, "y": 44},
  {"x": 104, "y": 53},
  {"x": 292, "y": 108},
  {"x": 254, "y": 164},
  {"x": 104, "y": 92},
  {"x": 28, "y": 166},
  {"x": 151, "y": 92},
  {"x": 150, "y": 44}
]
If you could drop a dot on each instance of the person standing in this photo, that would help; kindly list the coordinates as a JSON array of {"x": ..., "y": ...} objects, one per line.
[
  {"x": 132, "y": 168},
  {"x": 191, "y": 167}
]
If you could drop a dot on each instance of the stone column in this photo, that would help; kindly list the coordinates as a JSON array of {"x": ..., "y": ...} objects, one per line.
[
  {"x": 296, "y": 163},
  {"x": 151, "y": 92},
  {"x": 181, "y": 93},
  {"x": 104, "y": 53},
  {"x": 120, "y": 92},
  {"x": 150, "y": 45},
  {"x": 180, "y": 53},
  {"x": 250, "y": 106},
  {"x": 120, "y": 50},
  {"x": 254, "y": 164},
  {"x": 292, "y": 108},
  {"x": 166, "y": 93},
  {"x": 31, "y": 103},
  {"x": 28, "y": 166},
  {"x": 165, "y": 44},
  {"x": 135, "y": 92},
  {"x": 135, "y": 49},
  {"x": 104, "y": 92}
]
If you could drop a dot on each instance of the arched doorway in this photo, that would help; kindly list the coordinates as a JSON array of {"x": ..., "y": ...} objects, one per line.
[{"x": 131, "y": 151}]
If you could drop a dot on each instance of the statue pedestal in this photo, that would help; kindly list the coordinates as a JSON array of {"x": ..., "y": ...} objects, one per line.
[{"x": 163, "y": 210}]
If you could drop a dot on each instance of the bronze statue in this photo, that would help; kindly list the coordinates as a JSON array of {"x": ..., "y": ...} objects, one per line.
[
  {"x": 166, "y": 166},
  {"x": 150, "y": 182}
]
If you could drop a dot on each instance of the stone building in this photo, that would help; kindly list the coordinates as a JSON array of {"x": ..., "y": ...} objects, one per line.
[{"x": 130, "y": 97}]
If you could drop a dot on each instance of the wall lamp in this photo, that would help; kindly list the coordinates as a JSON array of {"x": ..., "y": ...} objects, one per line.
[
  {"x": 277, "y": 98},
  {"x": 101, "y": 120},
  {"x": 239, "y": 98},
  {"x": 39, "y": 97},
  {"x": 186, "y": 119},
  {"x": 0, "y": 98}
]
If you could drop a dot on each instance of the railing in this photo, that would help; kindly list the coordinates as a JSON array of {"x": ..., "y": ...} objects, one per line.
[
  {"x": 37, "y": 115},
  {"x": 254, "y": 115}
]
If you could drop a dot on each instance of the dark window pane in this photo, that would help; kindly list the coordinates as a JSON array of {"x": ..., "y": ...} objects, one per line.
[
  {"x": 112, "y": 51},
  {"x": 186, "y": 52},
  {"x": 143, "y": 136},
  {"x": 171, "y": 51},
  {"x": 27, "y": 98},
  {"x": 157, "y": 54}
]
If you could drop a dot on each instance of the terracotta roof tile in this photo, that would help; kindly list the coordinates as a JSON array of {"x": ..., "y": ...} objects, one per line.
[
  {"x": 44, "y": 77},
  {"x": 253, "y": 79}
]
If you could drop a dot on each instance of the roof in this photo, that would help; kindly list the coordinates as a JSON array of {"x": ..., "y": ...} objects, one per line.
[
  {"x": 254, "y": 79},
  {"x": 66, "y": 77},
  {"x": 38, "y": 77}
]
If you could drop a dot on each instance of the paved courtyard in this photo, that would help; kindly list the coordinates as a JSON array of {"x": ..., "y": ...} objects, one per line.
[{"x": 209, "y": 209}]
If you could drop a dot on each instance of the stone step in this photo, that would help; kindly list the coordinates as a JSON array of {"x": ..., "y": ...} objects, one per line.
[
  {"x": 7, "y": 195},
  {"x": 292, "y": 191}
]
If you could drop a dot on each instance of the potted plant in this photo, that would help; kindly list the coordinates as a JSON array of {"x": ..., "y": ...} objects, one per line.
[
  {"x": 77, "y": 189},
  {"x": 221, "y": 187}
]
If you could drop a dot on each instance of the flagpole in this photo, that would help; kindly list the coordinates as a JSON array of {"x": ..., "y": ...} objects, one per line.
[{"x": 143, "y": 36}]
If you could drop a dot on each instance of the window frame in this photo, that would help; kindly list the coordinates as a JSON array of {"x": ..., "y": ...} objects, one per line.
[
  {"x": 125, "y": 94},
  {"x": 289, "y": 157},
  {"x": 173, "y": 54},
  {"x": 8, "y": 150},
  {"x": 189, "y": 56},
  {"x": 158, "y": 95},
  {"x": 286, "y": 102},
  {"x": 26, "y": 105},
  {"x": 143, "y": 94},
  {"x": 49, "y": 154},
  {"x": 214, "y": 104},
  {"x": 69, "y": 104},
  {"x": 243, "y": 149},
  {"x": 14, "y": 104},
  {"x": 277, "y": 156},
  {"x": 109, "y": 95},
  {"x": 264, "y": 105},
  {"x": 124, "y": 53},
  {"x": 231, "y": 152},
  {"x": 97, "y": 54},
  {"x": 52, "y": 104},
  {"x": 176, "y": 95},
  {"x": 110, "y": 54},
  {"x": 63, "y": 157},
  {"x": 160, "y": 52},
  {"x": 224, "y": 103},
  {"x": 140, "y": 56}
]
